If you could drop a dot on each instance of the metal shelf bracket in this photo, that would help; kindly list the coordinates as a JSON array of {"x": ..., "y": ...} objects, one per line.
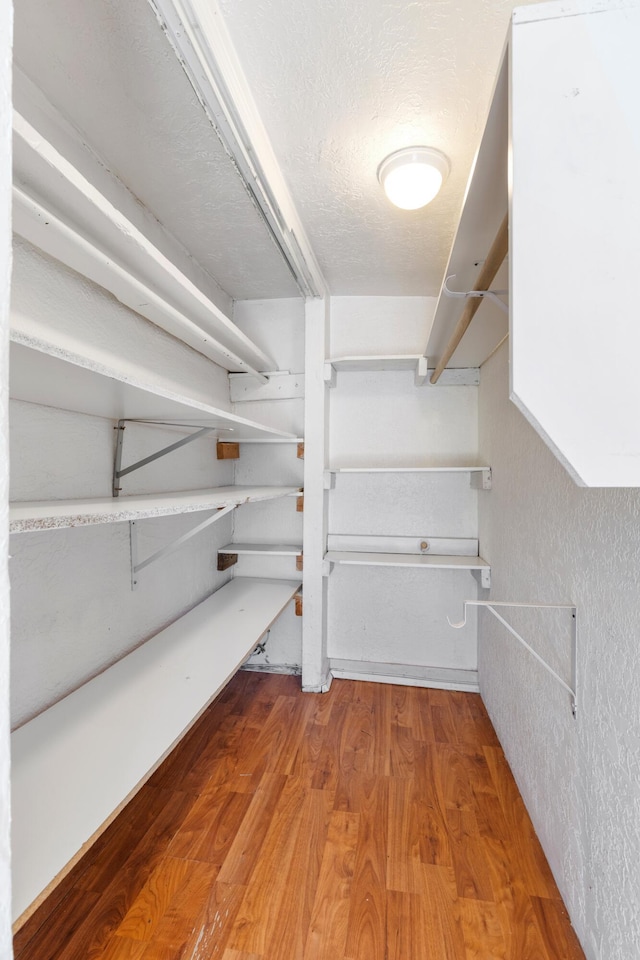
[
  {"x": 572, "y": 689},
  {"x": 119, "y": 471},
  {"x": 493, "y": 295},
  {"x": 138, "y": 565}
]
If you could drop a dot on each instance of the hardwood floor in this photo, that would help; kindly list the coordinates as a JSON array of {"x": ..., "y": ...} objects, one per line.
[{"x": 370, "y": 823}]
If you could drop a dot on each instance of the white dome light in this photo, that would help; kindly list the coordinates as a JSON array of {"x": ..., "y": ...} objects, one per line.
[{"x": 412, "y": 177}]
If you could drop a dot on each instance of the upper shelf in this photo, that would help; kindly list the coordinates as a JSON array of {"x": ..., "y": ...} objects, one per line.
[
  {"x": 57, "y": 209},
  {"x": 35, "y": 515},
  {"x": 393, "y": 362},
  {"x": 44, "y": 373},
  {"x": 483, "y": 210}
]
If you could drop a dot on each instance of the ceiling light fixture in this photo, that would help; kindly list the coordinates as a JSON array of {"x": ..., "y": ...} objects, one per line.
[{"x": 412, "y": 177}]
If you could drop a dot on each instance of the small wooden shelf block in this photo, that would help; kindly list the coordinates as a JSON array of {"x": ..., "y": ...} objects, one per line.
[{"x": 227, "y": 451}]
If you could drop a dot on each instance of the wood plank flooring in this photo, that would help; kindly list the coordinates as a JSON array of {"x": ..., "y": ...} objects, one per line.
[{"x": 374, "y": 822}]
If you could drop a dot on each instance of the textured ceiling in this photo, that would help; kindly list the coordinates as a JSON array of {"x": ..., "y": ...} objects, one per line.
[
  {"x": 107, "y": 66},
  {"x": 342, "y": 83},
  {"x": 339, "y": 85}
]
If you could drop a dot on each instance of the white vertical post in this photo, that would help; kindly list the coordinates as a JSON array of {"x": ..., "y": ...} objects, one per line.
[
  {"x": 315, "y": 665},
  {"x": 6, "y": 17}
]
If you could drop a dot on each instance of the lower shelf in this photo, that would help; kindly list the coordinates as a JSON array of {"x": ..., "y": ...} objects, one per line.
[
  {"x": 430, "y": 561},
  {"x": 77, "y": 763}
]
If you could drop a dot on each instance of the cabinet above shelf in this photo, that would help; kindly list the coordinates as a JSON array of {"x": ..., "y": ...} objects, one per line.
[
  {"x": 52, "y": 375},
  {"x": 34, "y": 516}
]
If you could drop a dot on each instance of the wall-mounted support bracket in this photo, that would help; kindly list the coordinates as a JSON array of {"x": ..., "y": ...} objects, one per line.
[
  {"x": 329, "y": 374},
  {"x": 483, "y": 576},
  {"x": 572, "y": 689},
  {"x": 481, "y": 479},
  {"x": 329, "y": 480},
  {"x": 422, "y": 371},
  {"x": 327, "y": 567},
  {"x": 137, "y": 566},
  {"x": 493, "y": 295},
  {"x": 119, "y": 472}
]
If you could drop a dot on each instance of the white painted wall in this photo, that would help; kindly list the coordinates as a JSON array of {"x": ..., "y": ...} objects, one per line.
[
  {"x": 382, "y": 419},
  {"x": 73, "y": 610},
  {"x": 6, "y": 14},
  {"x": 549, "y": 540},
  {"x": 278, "y": 327}
]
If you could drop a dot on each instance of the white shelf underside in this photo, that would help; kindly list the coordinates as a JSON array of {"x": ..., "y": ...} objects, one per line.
[
  {"x": 53, "y": 376},
  {"x": 406, "y": 560},
  {"x": 32, "y": 516},
  {"x": 74, "y": 765},
  {"x": 476, "y": 469}
]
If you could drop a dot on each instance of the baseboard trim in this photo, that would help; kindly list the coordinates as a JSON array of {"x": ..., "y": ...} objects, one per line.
[{"x": 412, "y": 675}]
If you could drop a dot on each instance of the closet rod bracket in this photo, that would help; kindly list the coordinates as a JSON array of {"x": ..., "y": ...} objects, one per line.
[{"x": 493, "y": 295}]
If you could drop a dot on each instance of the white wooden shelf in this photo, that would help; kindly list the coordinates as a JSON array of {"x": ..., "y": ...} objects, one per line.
[
  {"x": 76, "y": 764},
  {"x": 405, "y": 361},
  {"x": 408, "y": 469},
  {"x": 480, "y": 475},
  {"x": 31, "y": 516},
  {"x": 263, "y": 549},
  {"x": 394, "y": 362},
  {"x": 407, "y": 560},
  {"x": 68, "y": 218},
  {"x": 49, "y": 374},
  {"x": 484, "y": 208},
  {"x": 428, "y": 561}
]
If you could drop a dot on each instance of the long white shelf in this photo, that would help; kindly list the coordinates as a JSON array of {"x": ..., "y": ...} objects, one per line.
[
  {"x": 67, "y": 217},
  {"x": 476, "y": 469},
  {"x": 35, "y": 515},
  {"x": 404, "y": 361},
  {"x": 75, "y": 764},
  {"x": 406, "y": 560},
  {"x": 484, "y": 207},
  {"x": 263, "y": 549},
  {"x": 393, "y": 362},
  {"x": 50, "y": 374}
]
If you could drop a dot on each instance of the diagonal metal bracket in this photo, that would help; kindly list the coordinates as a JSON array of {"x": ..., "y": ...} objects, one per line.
[
  {"x": 137, "y": 566},
  {"x": 119, "y": 471},
  {"x": 572, "y": 688}
]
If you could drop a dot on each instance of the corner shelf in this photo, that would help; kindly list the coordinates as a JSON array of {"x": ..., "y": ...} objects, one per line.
[{"x": 33, "y": 516}]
